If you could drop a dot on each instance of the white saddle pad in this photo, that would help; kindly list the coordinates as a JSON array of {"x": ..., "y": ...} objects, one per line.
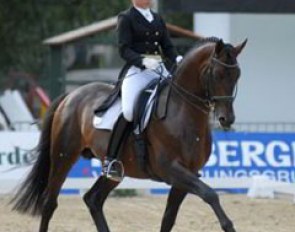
[{"x": 109, "y": 118}]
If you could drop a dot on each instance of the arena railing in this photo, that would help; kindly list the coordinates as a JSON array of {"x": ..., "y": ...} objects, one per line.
[{"x": 268, "y": 127}]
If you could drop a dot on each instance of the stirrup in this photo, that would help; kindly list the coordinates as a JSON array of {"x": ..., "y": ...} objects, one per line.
[{"x": 114, "y": 170}]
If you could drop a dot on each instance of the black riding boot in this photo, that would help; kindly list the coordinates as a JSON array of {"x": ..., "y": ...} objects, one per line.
[{"x": 113, "y": 168}]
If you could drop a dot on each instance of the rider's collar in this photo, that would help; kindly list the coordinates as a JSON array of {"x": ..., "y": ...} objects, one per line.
[{"x": 143, "y": 11}]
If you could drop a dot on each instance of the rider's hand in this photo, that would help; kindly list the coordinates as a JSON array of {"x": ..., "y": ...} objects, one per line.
[
  {"x": 150, "y": 63},
  {"x": 179, "y": 59}
]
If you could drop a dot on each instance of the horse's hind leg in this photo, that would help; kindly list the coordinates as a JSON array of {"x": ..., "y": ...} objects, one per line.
[
  {"x": 175, "y": 199},
  {"x": 95, "y": 199},
  {"x": 65, "y": 153}
]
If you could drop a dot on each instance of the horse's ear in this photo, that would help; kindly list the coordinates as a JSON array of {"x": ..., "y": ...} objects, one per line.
[
  {"x": 219, "y": 46},
  {"x": 240, "y": 47}
]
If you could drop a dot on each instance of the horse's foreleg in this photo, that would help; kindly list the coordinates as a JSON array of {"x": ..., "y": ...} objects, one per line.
[
  {"x": 95, "y": 199},
  {"x": 184, "y": 179},
  {"x": 175, "y": 199}
]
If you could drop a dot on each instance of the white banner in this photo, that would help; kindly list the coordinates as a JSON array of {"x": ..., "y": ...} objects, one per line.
[{"x": 15, "y": 153}]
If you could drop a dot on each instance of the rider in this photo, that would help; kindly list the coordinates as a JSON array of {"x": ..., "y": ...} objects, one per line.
[{"x": 143, "y": 42}]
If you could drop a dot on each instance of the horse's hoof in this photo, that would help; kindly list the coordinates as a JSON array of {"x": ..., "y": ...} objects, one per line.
[
  {"x": 229, "y": 227},
  {"x": 230, "y": 230}
]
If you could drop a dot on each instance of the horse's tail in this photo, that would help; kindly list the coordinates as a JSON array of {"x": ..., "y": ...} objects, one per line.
[{"x": 30, "y": 196}]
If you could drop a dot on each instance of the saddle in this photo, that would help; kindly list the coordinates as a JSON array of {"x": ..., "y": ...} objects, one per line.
[
  {"x": 143, "y": 108},
  {"x": 115, "y": 93},
  {"x": 152, "y": 102},
  {"x": 158, "y": 101}
]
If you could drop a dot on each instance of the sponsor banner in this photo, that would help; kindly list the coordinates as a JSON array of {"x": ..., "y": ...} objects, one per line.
[
  {"x": 240, "y": 155},
  {"x": 15, "y": 153},
  {"x": 86, "y": 168},
  {"x": 235, "y": 156}
]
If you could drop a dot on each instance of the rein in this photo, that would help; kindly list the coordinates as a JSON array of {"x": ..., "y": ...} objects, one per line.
[
  {"x": 195, "y": 101},
  {"x": 207, "y": 104}
]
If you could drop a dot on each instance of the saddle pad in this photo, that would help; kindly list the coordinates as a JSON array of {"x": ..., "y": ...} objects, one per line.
[{"x": 107, "y": 120}]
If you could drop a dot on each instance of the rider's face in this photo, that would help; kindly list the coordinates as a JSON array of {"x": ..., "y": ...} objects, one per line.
[{"x": 142, "y": 3}]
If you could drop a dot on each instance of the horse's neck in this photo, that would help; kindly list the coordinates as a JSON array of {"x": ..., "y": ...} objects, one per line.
[
  {"x": 188, "y": 111},
  {"x": 182, "y": 111},
  {"x": 185, "y": 132},
  {"x": 190, "y": 81},
  {"x": 185, "y": 114},
  {"x": 188, "y": 76}
]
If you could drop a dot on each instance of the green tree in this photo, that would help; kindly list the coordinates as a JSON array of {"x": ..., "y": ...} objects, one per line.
[{"x": 25, "y": 24}]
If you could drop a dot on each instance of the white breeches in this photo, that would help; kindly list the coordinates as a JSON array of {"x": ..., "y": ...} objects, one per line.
[{"x": 134, "y": 82}]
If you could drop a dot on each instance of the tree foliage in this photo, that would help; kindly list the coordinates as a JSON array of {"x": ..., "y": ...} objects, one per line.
[{"x": 25, "y": 24}]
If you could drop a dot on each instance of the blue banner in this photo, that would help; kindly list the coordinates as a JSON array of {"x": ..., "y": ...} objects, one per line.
[
  {"x": 234, "y": 155},
  {"x": 85, "y": 168},
  {"x": 248, "y": 154}
]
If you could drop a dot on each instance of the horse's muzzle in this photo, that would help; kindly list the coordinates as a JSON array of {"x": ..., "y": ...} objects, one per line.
[{"x": 226, "y": 122}]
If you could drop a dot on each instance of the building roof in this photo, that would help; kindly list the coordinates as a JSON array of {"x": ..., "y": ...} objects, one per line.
[{"x": 105, "y": 25}]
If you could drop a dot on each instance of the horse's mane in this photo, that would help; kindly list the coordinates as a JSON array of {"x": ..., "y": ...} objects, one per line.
[
  {"x": 211, "y": 39},
  {"x": 202, "y": 43},
  {"x": 207, "y": 40}
]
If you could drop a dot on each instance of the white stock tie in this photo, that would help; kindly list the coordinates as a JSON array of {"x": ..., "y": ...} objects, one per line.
[
  {"x": 148, "y": 16},
  {"x": 146, "y": 13}
]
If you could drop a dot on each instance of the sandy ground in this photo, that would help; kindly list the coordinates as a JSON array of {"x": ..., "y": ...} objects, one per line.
[{"x": 144, "y": 213}]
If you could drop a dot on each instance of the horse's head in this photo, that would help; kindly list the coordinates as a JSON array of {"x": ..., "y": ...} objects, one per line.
[
  {"x": 220, "y": 81},
  {"x": 207, "y": 78}
]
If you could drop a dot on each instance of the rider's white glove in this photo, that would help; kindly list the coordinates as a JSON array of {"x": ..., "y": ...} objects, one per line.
[
  {"x": 150, "y": 63},
  {"x": 178, "y": 59}
]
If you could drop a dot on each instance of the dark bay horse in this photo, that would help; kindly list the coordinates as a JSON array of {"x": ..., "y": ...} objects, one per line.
[{"x": 178, "y": 145}]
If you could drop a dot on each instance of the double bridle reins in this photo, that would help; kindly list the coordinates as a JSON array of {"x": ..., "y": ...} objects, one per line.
[{"x": 205, "y": 104}]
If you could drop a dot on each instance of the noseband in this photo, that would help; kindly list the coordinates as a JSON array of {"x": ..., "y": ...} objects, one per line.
[{"x": 205, "y": 104}]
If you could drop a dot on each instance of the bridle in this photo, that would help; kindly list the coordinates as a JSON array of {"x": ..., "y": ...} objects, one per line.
[
  {"x": 210, "y": 76},
  {"x": 206, "y": 104}
]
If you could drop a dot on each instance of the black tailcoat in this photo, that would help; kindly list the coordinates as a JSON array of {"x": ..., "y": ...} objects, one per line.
[{"x": 137, "y": 36}]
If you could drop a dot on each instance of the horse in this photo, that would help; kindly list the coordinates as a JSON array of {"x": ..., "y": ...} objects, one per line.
[{"x": 178, "y": 145}]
